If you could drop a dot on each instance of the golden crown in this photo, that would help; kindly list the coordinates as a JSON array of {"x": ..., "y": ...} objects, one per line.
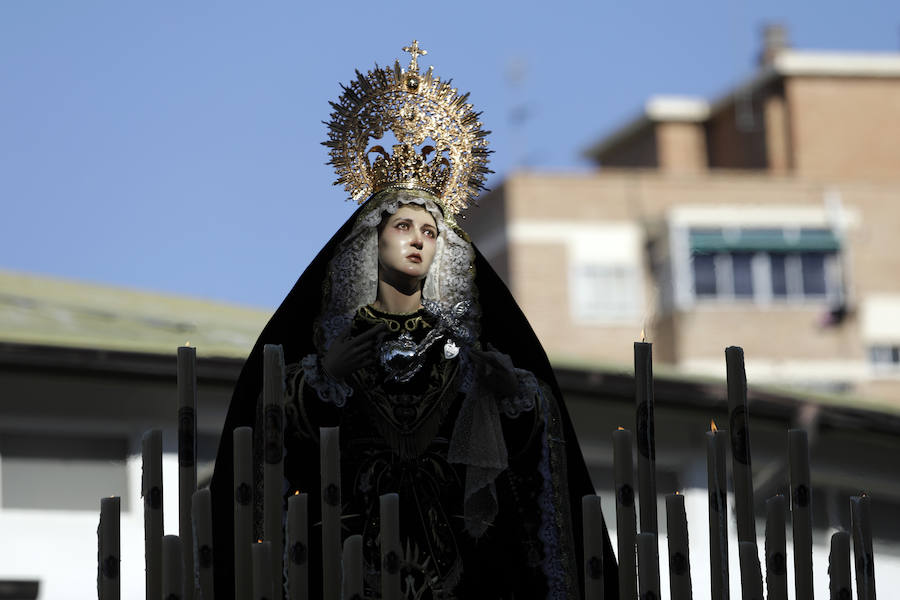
[{"x": 415, "y": 108}]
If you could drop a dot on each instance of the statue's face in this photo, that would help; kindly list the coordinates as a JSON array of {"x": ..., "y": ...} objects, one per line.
[{"x": 406, "y": 243}]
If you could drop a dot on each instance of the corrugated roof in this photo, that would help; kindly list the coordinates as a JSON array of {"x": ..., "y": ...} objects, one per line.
[{"x": 55, "y": 312}]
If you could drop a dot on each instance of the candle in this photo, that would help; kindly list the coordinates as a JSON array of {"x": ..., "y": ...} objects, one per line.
[
  {"x": 330, "y": 456},
  {"x": 273, "y": 455},
  {"x": 109, "y": 584},
  {"x": 718, "y": 512},
  {"x": 625, "y": 517},
  {"x": 646, "y": 444},
  {"x": 740, "y": 444},
  {"x": 353, "y": 568},
  {"x": 776, "y": 553},
  {"x": 839, "y": 566},
  {"x": 187, "y": 454},
  {"x": 801, "y": 512},
  {"x": 862, "y": 547},
  {"x": 263, "y": 585},
  {"x": 679, "y": 556},
  {"x": 201, "y": 507},
  {"x": 298, "y": 546},
  {"x": 648, "y": 565},
  {"x": 751, "y": 576},
  {"x": 152, "y": 492},
  {"x": 391, "y": 550},
  {"x": 173, "y": 568},
  {"x": 243, "y": 511},
  {"x": 592, "y": 520}
]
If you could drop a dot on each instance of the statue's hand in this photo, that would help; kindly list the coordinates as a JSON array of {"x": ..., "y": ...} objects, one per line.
[
  {"x": 348, "y": 354},
  {"x": 495, "y": 373}
]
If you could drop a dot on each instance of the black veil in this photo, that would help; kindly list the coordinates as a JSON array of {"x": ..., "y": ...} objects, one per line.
[{"x": 503, "y": 325}]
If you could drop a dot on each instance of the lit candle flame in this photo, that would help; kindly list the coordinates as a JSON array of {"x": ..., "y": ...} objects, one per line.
[
  {"x": 187, "y": 344},
  {"x": 643, "y": 336},
  {"x": 259, "y": 541},
  {"x": 620, "y": 428},
  {"x": 712, "y": 425},
  {"x": 296, "y": 492},
  {"x": 677, "y": 493}
]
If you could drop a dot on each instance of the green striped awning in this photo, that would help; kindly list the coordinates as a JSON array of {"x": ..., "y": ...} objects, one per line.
[{"x": 758, "y": 240}]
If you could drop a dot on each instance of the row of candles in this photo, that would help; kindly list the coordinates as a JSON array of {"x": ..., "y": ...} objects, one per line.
[
  {"x": 180, "y": 566},
  {"x": 638, "y": 552},
  {"x": 255, "y": 565}
]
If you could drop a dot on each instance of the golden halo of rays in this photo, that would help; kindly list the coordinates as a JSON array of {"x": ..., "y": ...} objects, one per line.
[{"x": 414, "y": 107}]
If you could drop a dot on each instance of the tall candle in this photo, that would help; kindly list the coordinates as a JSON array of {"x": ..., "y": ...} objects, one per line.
[
  {"x": 330, "y": 456},
  {"x": 592, "y": 520},
  {"x": 625, "y": 514},
  {"x": 187, "y": 454},
  {"x": 861, "y": 525},
  {"x": 679, "y": 556},
  {"x": 646, "y": 444},
  {"x": 801, "y": 513},
  {"x": 391, "y": 551},
  {"x": 353, "y": 568},
  {"x": 751, "y": 576},
  {"x": 201, "y": 507},
  {"x": 718, "y": 512},
  {"x": 648, "y": 565},
  {"x": 152, "y": 492},
  {"x": 243, "y": 512},
  {"x": 740, "y": 444},
  {"x": 298, "y": 546},
  {"x": 839, "y": 566},
  {"x": 776, "y": 553},
  {"x": 263, "y": 585},
  {"x": 273, "y": 455},
  {"x": 173, "y": 568},
  {"x": 109, "y": 584}
]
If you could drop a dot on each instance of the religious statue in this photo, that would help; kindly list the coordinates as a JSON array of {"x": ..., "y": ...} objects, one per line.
[{"x": 403, "y": 335}]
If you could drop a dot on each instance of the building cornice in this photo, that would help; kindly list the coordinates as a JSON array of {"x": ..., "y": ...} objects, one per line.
[
  {"x": 787, "y": 63},
  {"x": 805, "y": 63}
]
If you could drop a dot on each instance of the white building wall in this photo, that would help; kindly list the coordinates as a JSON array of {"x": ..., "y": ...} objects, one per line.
[{"x": 59, "y": 547}]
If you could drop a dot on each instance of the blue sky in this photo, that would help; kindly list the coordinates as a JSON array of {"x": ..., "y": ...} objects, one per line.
[{"x": 175, "y": 146}]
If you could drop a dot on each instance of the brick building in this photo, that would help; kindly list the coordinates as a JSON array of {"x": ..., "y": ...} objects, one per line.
[{"x": 766, "y": 219}]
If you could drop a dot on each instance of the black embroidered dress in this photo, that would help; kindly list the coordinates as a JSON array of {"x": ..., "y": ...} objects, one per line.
[{"x": 395, "y": 438}]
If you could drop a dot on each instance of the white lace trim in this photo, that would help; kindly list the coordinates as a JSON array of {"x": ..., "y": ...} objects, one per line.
[
  {"x": 548, "y": 532},
  {"x": 526, "y": 388},
  {"x": 329, "y": 389}
]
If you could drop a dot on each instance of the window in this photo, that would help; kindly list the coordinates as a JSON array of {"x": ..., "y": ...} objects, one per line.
[
  {"x": 742, "y": 275},
  {"x": 765, "y": 264},
  {"x": 605, "y": 292},
  {"x": 704, "y": 274},
  {"x": 885, "y": 357}
]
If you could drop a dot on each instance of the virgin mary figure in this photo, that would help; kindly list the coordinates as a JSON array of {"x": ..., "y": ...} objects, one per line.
[{"x": 403, "y": 335}]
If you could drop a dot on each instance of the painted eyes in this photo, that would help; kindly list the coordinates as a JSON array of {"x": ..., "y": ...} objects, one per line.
[{"x": 405, "y": 226}]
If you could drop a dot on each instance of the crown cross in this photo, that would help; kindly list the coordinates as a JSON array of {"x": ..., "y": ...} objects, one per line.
[{"x": 414, "y": 50}]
